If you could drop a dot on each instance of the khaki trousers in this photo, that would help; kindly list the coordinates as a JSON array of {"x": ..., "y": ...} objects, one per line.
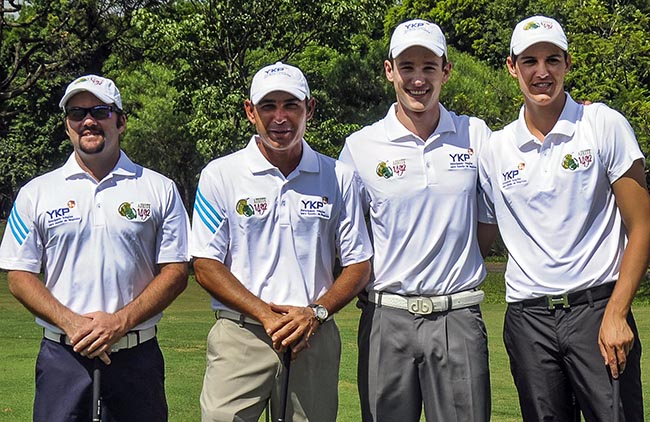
[{"x": 243, "y": 372}]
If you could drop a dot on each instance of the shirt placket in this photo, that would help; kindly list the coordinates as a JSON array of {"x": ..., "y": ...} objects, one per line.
[
  {"x": 428, "y": 151},
  {"x": 546, "y": 161},
  {"x": 284, "y": 209},
  {"x": 99, "y": 215}
]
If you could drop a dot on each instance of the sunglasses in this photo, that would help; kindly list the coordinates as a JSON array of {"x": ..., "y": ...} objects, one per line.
[{"x": 99, "y": 112}]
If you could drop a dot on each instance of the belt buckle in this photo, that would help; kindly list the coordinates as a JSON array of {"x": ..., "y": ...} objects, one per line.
[
  {"x": 555, "y": 301},
  {"x": 419, "y": 305}
]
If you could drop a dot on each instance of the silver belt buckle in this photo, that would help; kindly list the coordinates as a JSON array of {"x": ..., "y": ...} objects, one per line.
[{"x": 419, "y": 305}]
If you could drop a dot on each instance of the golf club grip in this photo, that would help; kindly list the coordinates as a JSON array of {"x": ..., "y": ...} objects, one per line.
[
  {"x": 616, "y": 395},
  {"x": 97, "y": 405},
  {"x": 286, "y": 360}
]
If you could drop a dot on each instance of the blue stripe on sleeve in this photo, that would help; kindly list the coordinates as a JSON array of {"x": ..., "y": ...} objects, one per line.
[
  {"x": 207, "y": 213},
  {"x": 18, "y": 228}
]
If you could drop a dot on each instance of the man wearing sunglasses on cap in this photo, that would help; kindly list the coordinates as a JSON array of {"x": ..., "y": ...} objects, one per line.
[{"x": 110, "y": 238}]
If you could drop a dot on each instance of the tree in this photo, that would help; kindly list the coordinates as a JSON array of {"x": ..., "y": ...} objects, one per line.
[
  {"x": 608, "y": 40},
  {"x": 156, "y": 136},
  {"x": 44, "y": 44},
  {"x": 214, "y": 48}
]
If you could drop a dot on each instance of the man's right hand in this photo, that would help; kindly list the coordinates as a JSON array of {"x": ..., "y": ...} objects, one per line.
[
  {"x": 87, "y": 340},
  {"x": 293, "y": 328}
]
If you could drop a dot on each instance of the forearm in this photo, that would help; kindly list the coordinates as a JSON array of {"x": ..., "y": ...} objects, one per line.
[
  {"x": 29, "y": 290},
  {"x": 158, "y": 295},
  {"x": 633, "y": 269},
  {"x": 350, "y": 283},
  {"x": 486, "y": 233},
  {"x": 633, "y": 202},
  {"x": 616, "y": 337},
  {"x": 217, "y": 280}
]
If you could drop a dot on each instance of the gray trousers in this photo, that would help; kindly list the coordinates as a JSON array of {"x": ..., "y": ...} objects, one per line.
[
  {"x": 438, "y": 360},
  {"x": 556, "y": 364}
]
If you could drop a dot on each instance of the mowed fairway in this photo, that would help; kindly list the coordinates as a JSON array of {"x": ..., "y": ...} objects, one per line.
[{"x": 182, "y": 336}]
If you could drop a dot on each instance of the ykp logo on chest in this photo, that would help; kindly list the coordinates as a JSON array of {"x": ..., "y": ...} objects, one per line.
[
  {"x": 67, "y": 214},
  {"x": 514, "y": 177},
  {"x": 462, "y": 160},
  {"x": 312, "y": 206}
]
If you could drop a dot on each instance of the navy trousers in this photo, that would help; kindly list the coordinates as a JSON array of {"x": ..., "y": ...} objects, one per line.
[{"x": 132, "y": 386}]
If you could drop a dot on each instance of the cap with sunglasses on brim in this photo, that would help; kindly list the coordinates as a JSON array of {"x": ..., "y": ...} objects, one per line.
[
  {"x": 102, "y": 88},
  {"x": 279, "y": 77},
  {"x": 536, "y": 29},
  {"x": 418, "y": 32}
]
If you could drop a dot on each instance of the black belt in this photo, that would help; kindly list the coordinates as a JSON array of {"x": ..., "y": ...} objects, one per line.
[{"x": 570, "y": 299}]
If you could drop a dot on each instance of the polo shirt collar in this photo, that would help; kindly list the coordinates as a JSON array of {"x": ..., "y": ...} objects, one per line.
[
  {"x": 565, "y": 126},
  {"x": 396, "y": 130},
  {"x": 257, "y": 162},
  {"x": 124, "y": 167}
]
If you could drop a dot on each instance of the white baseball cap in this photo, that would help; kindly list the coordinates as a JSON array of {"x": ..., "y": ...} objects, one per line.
[
  {"x": 279, "y": 77},
  {"x": 534, "y": 30},
  {"x": 418, "y": 32},
  {"x": 102, "y": 88}
]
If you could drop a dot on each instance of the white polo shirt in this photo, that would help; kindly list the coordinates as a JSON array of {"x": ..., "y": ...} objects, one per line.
[
  {"x": 422, "y": 199},
  {"x": 553, "y": 200},
  {"x": 279, "y": 236},
  {"x": 98, "y": 243}
]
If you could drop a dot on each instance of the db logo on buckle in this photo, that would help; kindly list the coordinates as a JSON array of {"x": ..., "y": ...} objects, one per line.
[{"x": 420, "y": 305}]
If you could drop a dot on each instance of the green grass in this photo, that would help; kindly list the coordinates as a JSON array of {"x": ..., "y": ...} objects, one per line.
[{"x": 182, "y": 336}]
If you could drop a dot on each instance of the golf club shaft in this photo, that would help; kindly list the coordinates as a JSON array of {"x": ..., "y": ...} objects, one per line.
[
  {"x": 284, "y": 393},
  {"x": 97, "y": 398},
  {"x": 616, "y": 394}
]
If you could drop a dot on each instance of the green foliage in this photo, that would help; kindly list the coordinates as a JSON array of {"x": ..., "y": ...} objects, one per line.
[
  {"x": 156, "y": 134},
  {"x": 611, "y": 60},
  {"x": 34, "y": 141},
  {"x": 478, "y": 90},
  {"x": 185, "y": 68},
  {"x": 44, "y": 44},
  {"x": 214, "y": 48}
]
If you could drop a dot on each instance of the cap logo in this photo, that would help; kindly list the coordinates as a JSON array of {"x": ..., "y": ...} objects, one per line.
[
  {"x": 93, "y": 80},
  {"x": 274, "y": 70},
  {"x": 414, "y": 25},
  {"x": 535, "y": 25}
]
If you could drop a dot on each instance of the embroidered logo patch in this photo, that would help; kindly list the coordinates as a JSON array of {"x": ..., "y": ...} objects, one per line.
[
  {"x": 575, "y": 161},
  {"x": 313, "y": 206},
  {"x": 67, "y": 214},
  {"x": 462, "y": 161},
  {"x": 248, "y": 208},
  {"x": 135, "y": 211},
  {"x": 388, "y": 169},
  {"x": 514, "y": 177}
]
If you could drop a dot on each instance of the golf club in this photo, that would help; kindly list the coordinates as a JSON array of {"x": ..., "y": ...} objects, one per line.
[
  {"x": 286, "y": 360},
  {"x": 616, "y": 394},
  {"x": 97, "y": 394}
]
